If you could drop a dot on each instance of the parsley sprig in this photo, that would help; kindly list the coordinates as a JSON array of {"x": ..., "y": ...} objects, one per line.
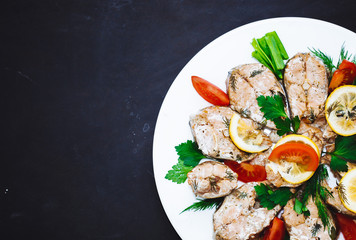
[
  {"x": 344, "y": 152},
  {"x": 273, "y": 109},
  {"x": 189, "y": 157},
  {"x": 270, "y": 198}
]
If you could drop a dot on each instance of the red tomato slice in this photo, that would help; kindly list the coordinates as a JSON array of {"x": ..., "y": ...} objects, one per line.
[
  {"x": 210, "y": 92},
  {"x": 345, "y": 64},
  {"x": 247, "y": 172},
  {"x": 347, "y": 226},
  {"x": 296, "y": 152},
  {"x": 276, "y": 231},
  {"x": 345, "y": 75}
]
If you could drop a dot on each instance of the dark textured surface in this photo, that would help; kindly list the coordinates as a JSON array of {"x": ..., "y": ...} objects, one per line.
[{"x": 82, "y": 84}]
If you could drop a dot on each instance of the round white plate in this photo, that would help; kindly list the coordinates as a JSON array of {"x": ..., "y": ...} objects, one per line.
[{"x": 213, "y": 63}]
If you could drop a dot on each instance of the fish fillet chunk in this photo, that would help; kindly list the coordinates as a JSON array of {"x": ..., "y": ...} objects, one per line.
[
  {"x": 247, "y": 82},
  {"x": 306, "y": 228},
  {"x": 306, "y": 83},
  {"x": 210, "y": 128},
  {"x": 336, "y": 203},
  {"x": 240, "y": 216},
  {"x": 212, "y": 179}
]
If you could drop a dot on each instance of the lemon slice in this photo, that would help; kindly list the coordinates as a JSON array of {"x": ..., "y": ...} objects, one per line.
[
  {"x": 340, "y": 110},
  {"x": 245, "y": 135},
  {"x": 290, "y": 172},
  {"x": 293, "y": 172},
  {"x": 348, "y": 193}
]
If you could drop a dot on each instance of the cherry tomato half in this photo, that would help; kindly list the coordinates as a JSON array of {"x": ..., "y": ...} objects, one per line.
[
  {"x": 345, "y": 75},
  {"x": 247, "y": 172},
  {"x": 210, "y": 92},
  {"x": 276, "y": 231},
  {"x": 347, "y": 226},
  {"x": 296, "y": 152},
  {"x": 345, "y": 64}
]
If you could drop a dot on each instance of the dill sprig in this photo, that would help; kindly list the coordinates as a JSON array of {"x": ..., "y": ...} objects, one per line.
[
  {"x": 204, "y": 204},
  {"x": 327, "y": 60},
  {"x": 342, "y": 193},
  {"x": 344, "y": 54},
  {"x": 319, "y": 195}
]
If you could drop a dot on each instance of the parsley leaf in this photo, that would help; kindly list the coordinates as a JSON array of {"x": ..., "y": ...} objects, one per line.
[
  {"x": 273, "y": 109},
  {"x": 343, "y": 153},
  {"x": 179, "y": 172},
  {"x": 189, "y": 153},
  {"x": 283, "y": 125},
  {"x": 205, "y": 204},
  {"x": 300, "y": 208},
  {"x": 296, "y": 123},
  {"x": 269, "y": 198}
]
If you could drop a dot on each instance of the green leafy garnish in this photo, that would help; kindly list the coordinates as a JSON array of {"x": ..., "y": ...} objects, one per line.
[
  {"x": 269, "y": 198},
  {"x": 178, "y": 173},
  {"x": 270, "y": 51},
  {"x": 273, "y": 109},
  {"x": 328, "y": 61},
  {"x": 314, "y": 189},
  {"x": 345, "y": 55},
  {"x": 189, "y": 153},
  {"x": 204, "y": 204},
  {"x": 300, "y": 208},
  {"x": 189, "y": 157},
  {"x": 344, "y": 152}
]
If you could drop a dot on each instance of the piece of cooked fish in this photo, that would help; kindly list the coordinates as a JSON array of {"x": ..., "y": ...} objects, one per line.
[
  {"x": 240, "y": 216},
  {"x": 210, "y": 128},
  {"x": 306, "y": 228},
  {"x": 212, "y": 179},
  {"x": 335, "y": 201},
  {"x": 245, "y": 83},
  {"x": 306, "y": 84}
]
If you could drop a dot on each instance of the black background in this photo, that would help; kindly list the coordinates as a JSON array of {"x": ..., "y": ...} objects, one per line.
[{"x": 81, "y": 87}]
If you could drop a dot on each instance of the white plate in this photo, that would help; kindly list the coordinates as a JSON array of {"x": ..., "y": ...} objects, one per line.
[{"x": 213, "y": 63}]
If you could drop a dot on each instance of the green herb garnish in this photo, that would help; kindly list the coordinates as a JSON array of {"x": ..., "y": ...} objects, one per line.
[
  {"x": 189, "y": 153},
  {"x": 273, "y": 109},
  {"x": 344, "y": 152},
  {"x": 189, "y": 157},
  {"x": 328, "y": 61},
  {"x": 314, "y": 189},
  {"x": 269, "y": 198},
  {"x": 202, "y": 205},
  {"x": 178, "y": 173},
  {"x": 270, "y": 51}
]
